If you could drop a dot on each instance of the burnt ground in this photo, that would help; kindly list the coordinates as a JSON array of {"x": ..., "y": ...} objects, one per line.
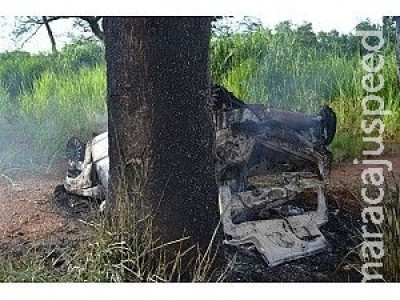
[{"x": 31, "y": 218}]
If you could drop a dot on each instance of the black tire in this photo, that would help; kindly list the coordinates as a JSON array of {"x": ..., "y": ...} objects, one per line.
[
  {"x": 329, "y": 123},
  {"x": 75, "y": 150}
]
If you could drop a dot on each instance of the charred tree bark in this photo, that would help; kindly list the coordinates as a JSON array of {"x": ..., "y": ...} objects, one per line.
[
  {"x": 50, "y": 34},
  {"x": 158, "y": 105}
]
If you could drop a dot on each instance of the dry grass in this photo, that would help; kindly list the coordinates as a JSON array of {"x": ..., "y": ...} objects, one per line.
[{"x": 122, "y": 248}]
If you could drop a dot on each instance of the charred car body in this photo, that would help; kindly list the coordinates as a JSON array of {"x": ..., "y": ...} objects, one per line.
[{"x": 271, "y": 166}]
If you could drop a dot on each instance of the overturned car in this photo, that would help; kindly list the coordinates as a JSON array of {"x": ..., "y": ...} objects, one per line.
[{"x": 271, "y": 166}]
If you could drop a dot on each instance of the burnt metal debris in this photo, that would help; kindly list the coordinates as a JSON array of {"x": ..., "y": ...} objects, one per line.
[{"x": 271, "y": 166}]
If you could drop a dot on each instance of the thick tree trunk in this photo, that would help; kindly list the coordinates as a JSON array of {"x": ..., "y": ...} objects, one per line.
[{"x": 158, "y": 105}]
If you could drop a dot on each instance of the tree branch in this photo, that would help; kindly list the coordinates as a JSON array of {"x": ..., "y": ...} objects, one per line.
[
  {"x": 31, "y": 24},
  {"x": 50, "y": 34},
  {"x": 94, "y": 25},
  {"x": 31, "y": 36}
]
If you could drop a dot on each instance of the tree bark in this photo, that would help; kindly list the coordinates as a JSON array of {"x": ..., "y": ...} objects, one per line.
[{"x": 160, "y": 117}]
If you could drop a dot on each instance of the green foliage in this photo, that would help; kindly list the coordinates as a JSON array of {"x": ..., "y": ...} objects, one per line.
[
  {"x": 229, "y": 52},
  {"x": 62, "y": 106},
  {"x": 19, "y": 70},
  {"x": 81, "y": 54},
  {"x": 5, "y": 102},
  {"x": 291, "y": 67},
  {"x": 294, "y": 68},
  {"x": 54, "y": 96}
]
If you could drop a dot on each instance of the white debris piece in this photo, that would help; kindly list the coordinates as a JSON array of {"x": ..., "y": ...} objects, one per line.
[{"x": 278, "y": 240}]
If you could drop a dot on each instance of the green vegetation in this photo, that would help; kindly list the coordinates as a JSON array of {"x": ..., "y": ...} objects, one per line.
[
  {"x": 49, "y": 98},
  {"x": 58, "y": 95},
  {"x": 294, "y": 68}
]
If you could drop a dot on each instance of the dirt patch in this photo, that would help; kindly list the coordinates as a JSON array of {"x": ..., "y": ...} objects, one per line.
[
  {"x": 349, "y": 173},
  {"x": 344, "y": 182},
  {"x": 28, "y": 213}
]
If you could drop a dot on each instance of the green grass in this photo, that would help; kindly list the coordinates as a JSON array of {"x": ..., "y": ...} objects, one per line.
[
  {"x": 59, "y": 107},
  {"x": 60, "y": 95},
  {"x": 48, "y": 98},
  {"x": 30, "y": 269},
  {"x": 279, "y": 70}
]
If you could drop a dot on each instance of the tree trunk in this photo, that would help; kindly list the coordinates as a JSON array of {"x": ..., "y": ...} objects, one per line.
[
  {"x": 159, "y": 117},
  {"x": 50, "y": 34},
  {"x": 397, "y": 21}
]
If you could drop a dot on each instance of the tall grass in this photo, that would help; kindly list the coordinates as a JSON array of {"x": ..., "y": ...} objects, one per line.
[
  {"x": 5, "y": 102},
  {"x": 282, "y": 70},
  {"x": 290, "y": 68},
  {"x": 58, "y": 107},
  {"x": 48, "y": 98},
  {"x": 19, "y": 70},
  {"x": 61, "y": 106}
]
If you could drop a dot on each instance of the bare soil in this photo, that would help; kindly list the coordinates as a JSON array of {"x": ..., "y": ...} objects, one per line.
[{"x": 29, "y": 215}]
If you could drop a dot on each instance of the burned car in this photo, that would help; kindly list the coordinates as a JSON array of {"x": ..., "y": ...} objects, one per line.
[{"x": 271, "y": 166}]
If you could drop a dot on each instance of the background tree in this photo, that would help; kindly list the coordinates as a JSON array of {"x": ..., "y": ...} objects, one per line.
[
  {"x": 306, "y": 35},
  {"x": 27, "y": 27},
  {"x": 160, "y": 120}
]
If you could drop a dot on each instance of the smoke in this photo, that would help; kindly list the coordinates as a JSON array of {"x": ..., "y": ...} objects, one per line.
[
  {"x": 17, "y": 155},
  {"x": 29, "y": 145}
]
